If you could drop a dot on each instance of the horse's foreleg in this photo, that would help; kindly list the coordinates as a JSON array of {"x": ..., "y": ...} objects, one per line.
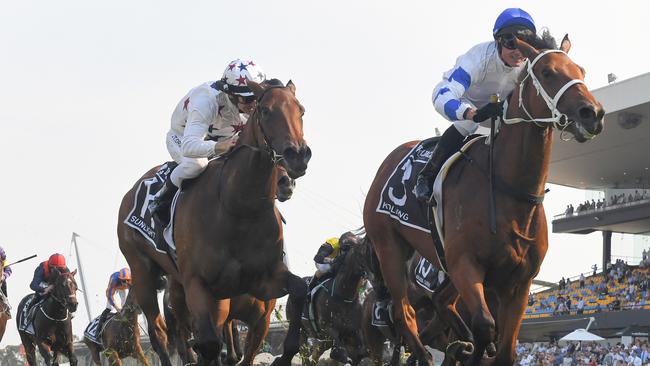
[
  {"x": 139, "y": 353},
  {"x": 68, "y": 351},
  {"x": 30, "y": 349},
  {"x": 468, "y": 278},
  {"x": 393, "y": 269},
  {"x": 512, "y": 306},
  {"x": 255, "y": 337},
  {"x": 297, "y": 289},
  {"x": 207, "y": 320},
  {"x": 231, "y": 357},
  {"x": 45, "y": 352},
  {"x": 445, "y": 304}
]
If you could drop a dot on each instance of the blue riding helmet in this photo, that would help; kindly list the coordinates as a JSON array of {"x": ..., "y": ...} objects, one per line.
[{"x": 514, "y": 17}]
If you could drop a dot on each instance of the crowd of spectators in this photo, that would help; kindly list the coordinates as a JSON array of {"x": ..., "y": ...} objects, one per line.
[
  {"x": 585, "y": 353},
  {"x": 619, "y": 199},
  {"x": 619, "y": 287}
]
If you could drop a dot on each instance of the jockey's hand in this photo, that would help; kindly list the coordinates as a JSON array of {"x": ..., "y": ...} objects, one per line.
[
  {"x": 328, "y": 260},
  {"x": 225, "y": 145},
  {"x": 48, "y": 289},
  {"x": 490, "y": 110}
]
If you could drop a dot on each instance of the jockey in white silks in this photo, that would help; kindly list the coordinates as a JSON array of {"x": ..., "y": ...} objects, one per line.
[
  {"x": 463, "y": 95},
  {"x": 206, "y": 123}
]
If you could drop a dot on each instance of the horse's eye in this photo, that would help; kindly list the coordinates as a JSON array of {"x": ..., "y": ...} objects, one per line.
[
  {"x": 546, "y": 72},
  {"x": 264, "y": 111}
]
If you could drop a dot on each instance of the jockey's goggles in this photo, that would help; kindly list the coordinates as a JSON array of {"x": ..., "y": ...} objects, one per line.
[
  {"x": 507, "y": 40},
  {"x": 245, "y": 99}
]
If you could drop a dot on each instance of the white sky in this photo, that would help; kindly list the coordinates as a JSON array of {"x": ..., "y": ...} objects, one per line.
[{"x": 87, "y": 90}]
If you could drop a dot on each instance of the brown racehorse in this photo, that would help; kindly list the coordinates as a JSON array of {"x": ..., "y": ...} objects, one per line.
[
  {"x": 120, "y": 337},
  {"x": 52, "y": 321},
  {"x": 478, "y": 260},
  {"x": 337, "y": 312},
  {"x": 228, "y": 232}
]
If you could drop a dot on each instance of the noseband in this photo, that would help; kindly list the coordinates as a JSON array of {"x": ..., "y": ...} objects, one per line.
[
  {"x": 275, "y": 157},
  {"x": 558, "y": 119}
]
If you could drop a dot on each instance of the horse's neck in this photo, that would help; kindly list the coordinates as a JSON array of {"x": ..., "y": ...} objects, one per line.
[
  {"x": 347, "y": 279},
  {"x": 524, "y": 152},
  {"x": 246, "y": 180}
]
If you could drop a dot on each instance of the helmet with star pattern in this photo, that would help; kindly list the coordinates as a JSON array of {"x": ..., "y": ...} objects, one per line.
[{"x": 238, "y": 73}]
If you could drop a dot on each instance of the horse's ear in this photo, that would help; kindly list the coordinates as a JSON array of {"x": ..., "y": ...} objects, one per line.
[
  {"x": 566, "y": 44},
  {"x": 257, "y": 89},
  {"x": 527, "y": 50},
  {"x": 74, "y": 273},
  {"x": 292, "y": 87}
]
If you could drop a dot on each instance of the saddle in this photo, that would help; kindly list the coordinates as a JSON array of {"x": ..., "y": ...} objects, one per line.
[
  {"x": 94, "y": 330},
  {"x": 309, "y": 311},
  {"x": 153, "y": 228}
]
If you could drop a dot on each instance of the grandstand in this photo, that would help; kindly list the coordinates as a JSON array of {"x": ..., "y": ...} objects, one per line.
[{"x": 616, "y": 164}]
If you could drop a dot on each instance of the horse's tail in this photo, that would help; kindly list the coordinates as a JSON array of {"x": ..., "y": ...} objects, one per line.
[{"x": 170, "y": 322}]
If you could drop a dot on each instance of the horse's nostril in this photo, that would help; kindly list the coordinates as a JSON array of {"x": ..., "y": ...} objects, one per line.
[
  {"x": 587, "y": 113},
  {"x": 307, "y": 154}
]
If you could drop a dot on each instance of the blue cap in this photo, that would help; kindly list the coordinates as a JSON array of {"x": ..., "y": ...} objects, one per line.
[{"x": 514, "y": 16}]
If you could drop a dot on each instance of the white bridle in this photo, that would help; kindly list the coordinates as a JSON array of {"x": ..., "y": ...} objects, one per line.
[{"x": 558, "y": 119}]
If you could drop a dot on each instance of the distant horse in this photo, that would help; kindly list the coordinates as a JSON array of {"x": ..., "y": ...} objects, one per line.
[
  {"x": 227, "y": 230},
  {"x": 256, "y": 314},
  {"x": 337, "y": 310},
  {"x": 477, "y": 260},
  {"x": 52, "y": 321},
  {"x": 120, "y": 337}
]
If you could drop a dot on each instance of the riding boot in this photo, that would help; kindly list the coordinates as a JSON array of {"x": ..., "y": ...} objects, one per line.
[
  {"x": 450, "y": 142},
  {"x": 102, "y": 318},
  {"x": 163, "y": 199}
]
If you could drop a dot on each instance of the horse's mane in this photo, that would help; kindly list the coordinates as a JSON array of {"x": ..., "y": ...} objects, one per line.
[{"x": 545, "y": 41}]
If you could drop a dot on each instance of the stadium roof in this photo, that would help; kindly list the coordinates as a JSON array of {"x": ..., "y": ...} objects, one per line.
[{"x": 620, "y": 156}]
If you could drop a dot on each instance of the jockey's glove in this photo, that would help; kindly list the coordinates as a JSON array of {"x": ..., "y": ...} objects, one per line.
[{"x": 490, "y": 110}]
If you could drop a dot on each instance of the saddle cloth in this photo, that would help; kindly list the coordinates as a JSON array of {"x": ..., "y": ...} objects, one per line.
[
  {"x": 93, "y": 331},
  {"x": 309, "y": 311},
  {"x": 141, "y": 219},
  {"x": 26, "y": 316},
  {"x": 398, "y": 198},
  {"x": 428, "y": 276}
]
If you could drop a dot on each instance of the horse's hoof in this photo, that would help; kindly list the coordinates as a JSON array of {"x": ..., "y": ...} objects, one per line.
[
  {"x": 460, "y": 351},
  {"x": 491, "y": 350}
]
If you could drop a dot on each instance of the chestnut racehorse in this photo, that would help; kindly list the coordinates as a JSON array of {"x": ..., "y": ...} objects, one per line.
[
  {"x": 227, "y": 230},
  {"x": 505, "y": 262}
]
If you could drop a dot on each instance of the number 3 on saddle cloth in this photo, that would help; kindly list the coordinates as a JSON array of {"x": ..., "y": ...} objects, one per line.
[{"x": 157, "y": 231}]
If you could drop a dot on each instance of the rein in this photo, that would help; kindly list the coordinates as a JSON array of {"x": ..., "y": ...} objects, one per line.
[{"x": 275, "y": 157}]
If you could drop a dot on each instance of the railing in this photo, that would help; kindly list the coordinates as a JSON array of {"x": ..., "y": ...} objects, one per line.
[{"x": 602, "y": 209}]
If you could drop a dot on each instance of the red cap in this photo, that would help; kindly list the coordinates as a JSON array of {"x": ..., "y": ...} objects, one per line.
[{"x": 57, "y": 260}]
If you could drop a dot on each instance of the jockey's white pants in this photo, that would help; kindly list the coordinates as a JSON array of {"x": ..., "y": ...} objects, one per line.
[
  {"x": 122, "y": 294},
  {"x": 466, "y": 127},
  {"x": 187, "y": 168},
  {"x": 323, "y": 268}
]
